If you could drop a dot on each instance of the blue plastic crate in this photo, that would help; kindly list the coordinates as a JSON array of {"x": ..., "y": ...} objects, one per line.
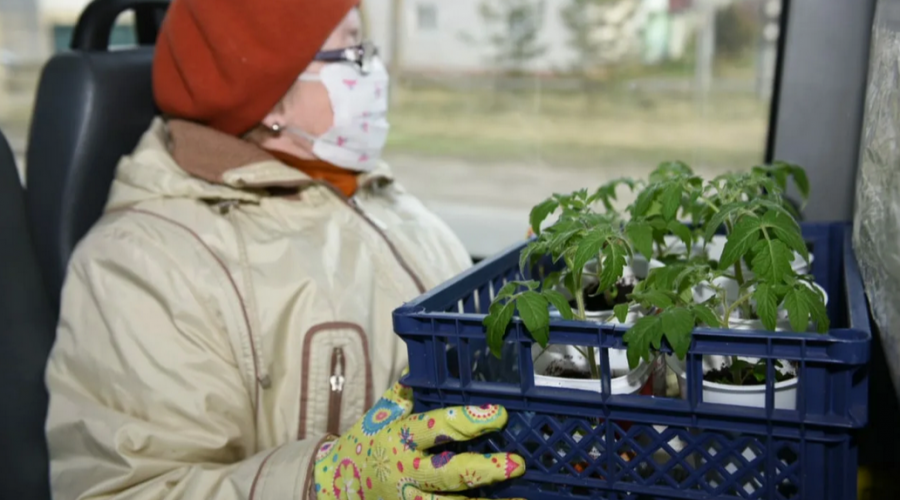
[{"x": 597, "y": 445}]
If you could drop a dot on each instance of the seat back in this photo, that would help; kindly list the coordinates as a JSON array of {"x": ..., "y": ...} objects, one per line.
[
  {"x": 27, "y": 324},
  {"x": 91, "y": 108}
]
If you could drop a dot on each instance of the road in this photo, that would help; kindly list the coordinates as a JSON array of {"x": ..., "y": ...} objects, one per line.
[{"x": 488, "y": 204}]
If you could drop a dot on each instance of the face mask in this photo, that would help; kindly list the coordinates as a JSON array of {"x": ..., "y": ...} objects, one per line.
[{"x": 360, "y": 104}]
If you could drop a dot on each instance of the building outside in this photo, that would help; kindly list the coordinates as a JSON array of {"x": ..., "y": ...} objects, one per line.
[
  {"x": 495, "y": 93},
  {"x": 455, "y": 37}
]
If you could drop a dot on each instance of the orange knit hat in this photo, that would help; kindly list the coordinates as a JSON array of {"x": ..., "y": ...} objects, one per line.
[{"x": 227, "y": 63}]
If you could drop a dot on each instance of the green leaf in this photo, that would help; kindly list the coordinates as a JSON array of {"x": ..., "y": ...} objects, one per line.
[
  {"x": 641, "y": 235},
  {"x": 530, "y": 284},
  {"x": 787, "y": 230},
  {"x": 670, "y": 169},
  {"x": 607, "y": 192},
  {"x": 666, "y": 276},
  {"x": 683, "y": 233},
  {"x": 589, "y": 248},
  {"x": 778, "y": 206},
  {"x": 682, "y": 281},
  {"x": 780, "y": 177},
  {"x": 507, "y": 291},
  {"x": 533, "y": 309},
  {"x": 764, "y": 186},
  {"x": 497, "y": 323},
  {"x": 645, "y": 200},
  {"x": 790, "y": 208},
  {"x": 671, "y": 200},
  {"x": 677, "y": 324},
  {"x": 646, "y": 331},
  {"x": 621, "y": 312},
  {"x": 798, "y": 309},
  {"x": 656, "y": 298},
  {"x": 759, "y": 371},
  {"x": 657, "y": 224},
  {"x": 720, "y": 217},
  {"x": 817, "y": 309},
  {"x": 569, "y": 282},
  {"x": 615, "y": 257},
  {"x": 766, "y": 305},
  {"x": 525, "y": 257},
  {"x": 552, "y": 280},
  {"x": 705, "y": 316},
  {"x": 772, "y": 260},
  {"x": 742, "y": 238},
  {"x": 560, "y": 302},
  {"x": 540, "y": 213},
  {"x": 530, "y": 253},
  {"x": 738, "y": 365},
  {"x": 801, "y": 180},
  {"x": 560, "y": 236}
]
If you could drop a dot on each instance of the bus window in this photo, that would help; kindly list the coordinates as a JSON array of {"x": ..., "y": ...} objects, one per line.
[{"x": 499, "y": 103}]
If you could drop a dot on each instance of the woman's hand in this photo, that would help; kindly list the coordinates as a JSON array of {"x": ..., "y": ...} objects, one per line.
[{"x": 385, "y": 454}]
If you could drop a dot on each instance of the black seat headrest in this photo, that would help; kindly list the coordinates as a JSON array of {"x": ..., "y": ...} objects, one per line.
[
  {"x": 27, "y": 324},
  {"x": 91, "y": 108}
]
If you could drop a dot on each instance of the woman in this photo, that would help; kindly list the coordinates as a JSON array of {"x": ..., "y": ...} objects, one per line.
[{"x": 231, "y": 312}]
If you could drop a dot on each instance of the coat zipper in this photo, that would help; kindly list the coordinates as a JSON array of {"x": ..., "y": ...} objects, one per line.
[
  {"x": 227, "y": 209},
  {"x": 337, "y": 391}
]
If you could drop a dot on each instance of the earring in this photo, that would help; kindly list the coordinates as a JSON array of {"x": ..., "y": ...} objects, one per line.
[{"x": 276, "y": 128}]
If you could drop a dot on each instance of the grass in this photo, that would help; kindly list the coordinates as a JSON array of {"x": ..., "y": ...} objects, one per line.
[
  {"x": 610, "y": 124},
  {"x": 578, "y": 128}
]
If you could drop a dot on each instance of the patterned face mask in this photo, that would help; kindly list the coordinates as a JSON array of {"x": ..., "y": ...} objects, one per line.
[{"x": 360, "y": 103}]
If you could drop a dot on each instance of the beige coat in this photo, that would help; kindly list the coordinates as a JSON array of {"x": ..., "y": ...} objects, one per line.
[{"x": 215, "y": 326}]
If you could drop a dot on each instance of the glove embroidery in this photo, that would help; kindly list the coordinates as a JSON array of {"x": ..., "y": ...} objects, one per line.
[
  {"x": 483, "y": 414},
  {"x": 380, "y": 416},
  {"x": 440, "y": 460},
  {"x": 381, "y": 464},
  {"x": 347, "y": 481},
  {"x": 407, "y": 439}
]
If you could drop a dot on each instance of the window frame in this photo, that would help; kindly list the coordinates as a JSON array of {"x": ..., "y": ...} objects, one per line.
[
  {"x": 432, "y": 8},
  {"x": 819, "y": 98}
]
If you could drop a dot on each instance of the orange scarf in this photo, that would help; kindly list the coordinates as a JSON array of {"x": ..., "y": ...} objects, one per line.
[{"x": 341, "y": 178}]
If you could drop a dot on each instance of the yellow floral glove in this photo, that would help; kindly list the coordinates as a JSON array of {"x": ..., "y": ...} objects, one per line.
[{"x": 384, "y": 456}]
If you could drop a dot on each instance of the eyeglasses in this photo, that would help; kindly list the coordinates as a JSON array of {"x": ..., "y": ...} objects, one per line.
[{"x": 361, "y": 55}]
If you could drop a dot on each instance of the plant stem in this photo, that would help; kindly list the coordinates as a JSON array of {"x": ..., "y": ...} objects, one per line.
[
  {"x": 734, "y": 306},
  {"x": 579, "y": 300},
  {"x": 579, "y": 297},
  {"x": 739, "y": 272},
  {"x": 592, "y": 361},
  {"x": 709, "y": 203}
]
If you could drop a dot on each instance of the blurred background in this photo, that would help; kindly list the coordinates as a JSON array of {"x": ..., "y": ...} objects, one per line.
[{"x": 499, "y": 103}]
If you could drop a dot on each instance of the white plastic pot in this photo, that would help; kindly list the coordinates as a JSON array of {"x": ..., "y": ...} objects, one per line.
[
  {"x": 706, "y": 291},
  {"x": 624, "y": 380},
  {"x": 638, "y": 267},
  {"x": 753, "y": 396},
  {"x": 634, "y": 313},
  {"x": 748, "y": 395},
  {"x": 674, "y": 245}
]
